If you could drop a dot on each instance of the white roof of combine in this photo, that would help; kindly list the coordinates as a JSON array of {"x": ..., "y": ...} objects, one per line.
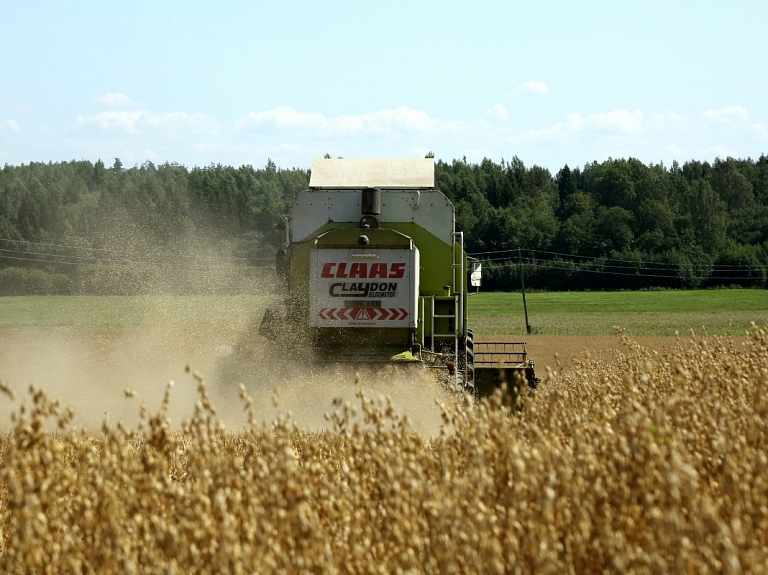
[{"x": 411, "y": 173}]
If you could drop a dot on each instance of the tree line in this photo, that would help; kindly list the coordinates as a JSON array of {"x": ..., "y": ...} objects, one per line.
[{"x": 83, "y": 227}]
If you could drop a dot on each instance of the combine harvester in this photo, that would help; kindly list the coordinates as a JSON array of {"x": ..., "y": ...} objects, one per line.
[{"x": 373, "y": 270}]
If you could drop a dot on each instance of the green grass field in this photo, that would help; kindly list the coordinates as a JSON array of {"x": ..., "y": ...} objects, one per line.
[{"x": 656, "y": 313}]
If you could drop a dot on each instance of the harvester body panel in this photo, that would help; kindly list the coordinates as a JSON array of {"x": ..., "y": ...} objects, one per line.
[{"x": 427, "y": 209}]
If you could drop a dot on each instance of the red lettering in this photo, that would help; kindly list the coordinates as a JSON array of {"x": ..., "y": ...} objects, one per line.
[
  {"x": 397, "y": 270},
  {"x": 359, "y": 270},
  {"x": 378, "y": 271},
  {"x": 327, "y": 270},
  {"x": 362, "y": 270}
]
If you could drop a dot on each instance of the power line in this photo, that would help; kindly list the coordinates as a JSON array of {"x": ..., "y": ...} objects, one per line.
[
  {"x": 621, "y": 267},
  {"x": 45, "y": 254},
  {"x": 648, "y": 263},
  {"x": 634, "y": 265},
  {"x": 39, "y": 260},
  {"x": 550, "y": 266},
  {"x": 132, "y": 253},
  {"x": 606, "y": 260},
  {"x": 205, "y": 264},
  {"x": 201, "y": 272}
]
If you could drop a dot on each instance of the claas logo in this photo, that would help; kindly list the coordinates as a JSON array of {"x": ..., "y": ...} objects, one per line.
[{"x": 363, "y": 270}]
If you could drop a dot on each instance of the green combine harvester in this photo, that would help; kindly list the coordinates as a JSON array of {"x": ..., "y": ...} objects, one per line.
[{"x": 373, "y": 270}]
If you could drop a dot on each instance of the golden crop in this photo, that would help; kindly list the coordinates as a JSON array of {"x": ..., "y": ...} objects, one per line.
[{"x": 646, "y": 463}]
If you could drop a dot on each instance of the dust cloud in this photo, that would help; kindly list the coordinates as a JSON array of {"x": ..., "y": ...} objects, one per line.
[
  {"x": 91, "y": 369},
  {"x": 309, "y": 392},
  {"x": 148, "y": 331}
]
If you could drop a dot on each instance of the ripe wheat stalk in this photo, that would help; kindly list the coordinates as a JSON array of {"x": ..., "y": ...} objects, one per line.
[{"x": 644, "y": 463}]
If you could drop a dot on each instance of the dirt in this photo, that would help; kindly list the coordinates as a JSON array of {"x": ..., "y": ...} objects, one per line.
[{"x": 557, "y": 352}]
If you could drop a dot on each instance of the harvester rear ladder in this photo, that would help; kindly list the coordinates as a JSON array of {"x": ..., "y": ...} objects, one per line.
[{"x": 458, "y": 273}]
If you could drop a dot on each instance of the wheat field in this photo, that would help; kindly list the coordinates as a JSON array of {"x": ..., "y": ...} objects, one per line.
[{"x": 643, "y": 462}]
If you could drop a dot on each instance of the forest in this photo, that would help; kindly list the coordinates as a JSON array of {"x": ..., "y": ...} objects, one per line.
[{"x": 85, "y": 228}]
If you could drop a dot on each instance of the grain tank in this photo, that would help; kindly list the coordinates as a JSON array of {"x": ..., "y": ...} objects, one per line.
[{"x": 373, "y": 270}]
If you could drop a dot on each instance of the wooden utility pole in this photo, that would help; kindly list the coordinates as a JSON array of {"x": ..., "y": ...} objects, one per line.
[{"x": 522, "y": 284}]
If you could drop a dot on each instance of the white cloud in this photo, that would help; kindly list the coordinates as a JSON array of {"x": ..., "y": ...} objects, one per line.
[
  {"x": 761, "y": 130},
  {"x": 179, "y": 123},
  {"x": 498, "y": 112},
  {"x": 546, "y": 134},
  {"x": 668, "y": 121},
  {"x": 621, "y": 121},
  {"x": 531, "y": 87},
  {"x": 574, "y": 123},
  {"x": 115, "y": 100},
  {"x": 676, "y": 150},
  {"x": 112, "y": 121},
  {"x": 151, "y": 155},
  {"x": 386, "y": 122},
  {"x": 733, "y": 114},
  {"x": 281, "y": 117},
  {"x": 11, "y": 125},
  {"x": 616, "y": 122},
  {"x": 718, "y": 152},
  {"x": 169, "y": 124}
]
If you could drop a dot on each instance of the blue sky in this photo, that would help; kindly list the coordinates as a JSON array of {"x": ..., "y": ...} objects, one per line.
[{"x": 552, "y": 82}]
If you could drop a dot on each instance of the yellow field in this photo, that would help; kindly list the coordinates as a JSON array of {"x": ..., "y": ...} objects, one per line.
[{"x": 644, "y": 461}]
